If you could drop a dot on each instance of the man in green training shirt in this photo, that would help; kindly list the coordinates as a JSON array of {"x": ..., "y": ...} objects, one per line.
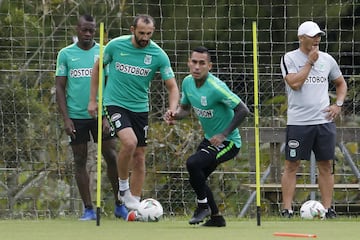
[
  {"x": 73, "y": 74},
  {"x": 133, "y": 61},
  {"x": 220, "y": 112}
]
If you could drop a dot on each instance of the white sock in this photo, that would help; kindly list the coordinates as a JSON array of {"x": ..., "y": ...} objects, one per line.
[
  {"x": 123, "y": 184},
  {"x": 202, "y": 200}
]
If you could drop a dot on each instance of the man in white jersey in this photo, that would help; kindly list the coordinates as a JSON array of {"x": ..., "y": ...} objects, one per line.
[
  {"x": 133, "y": 61},
  {"x": 73, "y": 74},
  {"x": 220, "y": 112},
  {"x": 310, "y": 127}
]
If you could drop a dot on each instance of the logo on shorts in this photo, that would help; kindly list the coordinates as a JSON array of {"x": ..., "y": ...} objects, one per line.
[
  {"x": 117, "y": 124},
  {"x": 115, "y": 118},
  {"x": 292, "y": 153},
  {"x": 293, "y": 144}
]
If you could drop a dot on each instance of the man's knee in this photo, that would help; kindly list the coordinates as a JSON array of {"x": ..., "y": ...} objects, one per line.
[{"x": 192, "y": 163}]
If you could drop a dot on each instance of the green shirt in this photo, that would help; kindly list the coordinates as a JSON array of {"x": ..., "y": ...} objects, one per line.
[
  {"x": 130, "y": 72},
  {"x": 213, "y": 104},
  {"x": 76, "y": 64}
]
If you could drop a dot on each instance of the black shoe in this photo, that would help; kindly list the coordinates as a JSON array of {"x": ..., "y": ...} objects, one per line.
[
  {"x": 286, "y": 213},
  {"x": 215, "y": 221},
  {"x": 330, "y": 213},
  {"x": 199, "y": 215}
]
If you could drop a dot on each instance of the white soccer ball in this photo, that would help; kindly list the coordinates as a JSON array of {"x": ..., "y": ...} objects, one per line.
[
  {"x": 150, "y": 210},
  {"x": 312, "y": 209}
]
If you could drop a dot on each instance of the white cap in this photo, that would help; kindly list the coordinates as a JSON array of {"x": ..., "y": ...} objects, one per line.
[{"x": 310, "y": 29}]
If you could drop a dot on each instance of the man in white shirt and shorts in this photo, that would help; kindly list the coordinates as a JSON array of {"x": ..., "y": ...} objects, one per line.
[{"x": 310, "y": 116}]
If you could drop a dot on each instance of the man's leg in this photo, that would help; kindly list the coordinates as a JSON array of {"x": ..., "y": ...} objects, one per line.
[
  {"x": 288, "y": 182},
  {"x": 326, "y": 182},
  {"x": 81, "y": 173},
  {"x": 110, "y": 155},
  {"x": 82, "y": 179},
  {"x": 196, "y": 166},
  {"x": 137, "y": 177},
  {"x": 128, "y": 145}
]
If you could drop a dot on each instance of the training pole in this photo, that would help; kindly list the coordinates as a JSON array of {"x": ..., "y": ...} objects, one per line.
[
  {"x": 99, "y": 137},
  {"x": 256, "y": 109}
]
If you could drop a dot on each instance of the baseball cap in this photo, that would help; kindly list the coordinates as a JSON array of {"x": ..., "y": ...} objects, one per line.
[{"x": 310, "y": 29}]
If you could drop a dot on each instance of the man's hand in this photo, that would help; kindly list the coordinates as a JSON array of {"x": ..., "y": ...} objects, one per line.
[
  {"x": 169, "y": 117},
  {"x": 313, "y": 55},
  {"x": 332, "y": 112},
  {"x": 69, "y": 127},
  {"x": 92, "y": 109},
  {"x": 217, "y": 140}
]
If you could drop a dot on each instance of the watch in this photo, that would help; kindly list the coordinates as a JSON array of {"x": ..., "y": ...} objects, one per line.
[{"x": 339, "y": 103}]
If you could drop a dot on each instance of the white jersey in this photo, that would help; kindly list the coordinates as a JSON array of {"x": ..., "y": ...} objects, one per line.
[{"x": 306, "y": 106}]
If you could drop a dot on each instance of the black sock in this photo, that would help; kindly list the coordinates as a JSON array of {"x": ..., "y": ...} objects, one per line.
[{"x": 203, "y": 205}]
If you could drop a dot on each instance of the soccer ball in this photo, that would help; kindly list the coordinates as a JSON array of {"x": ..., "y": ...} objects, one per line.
[
  {"x": 312, "y": 209},
  {"x": 150, "y": 210}
]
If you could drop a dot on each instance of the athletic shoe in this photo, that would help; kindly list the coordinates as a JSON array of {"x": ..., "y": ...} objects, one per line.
[
  {"x": 215, "y": 221},
  {"x": 286, "y": 213},
  {"x": 120, "y": 211},
  {"x": 330, "y": 213},
  {"x": 199, "y": 215},
  {"x": 129, "y": 200},
  {"x": 132, "y": 216},
  {"x": 89, "y": 214}
]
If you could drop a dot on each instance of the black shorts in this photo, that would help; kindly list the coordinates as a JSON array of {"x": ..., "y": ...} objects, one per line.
[
  {"x": 223, "y": 153},
  {"x": 85, "y": 127},
  {"x": 120, "y": 118},
  {"x": 301, "y": 140}
]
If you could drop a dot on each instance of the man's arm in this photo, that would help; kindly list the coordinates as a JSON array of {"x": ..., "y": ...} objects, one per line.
[
  {"x": 341, "y": 89},
  {"x": 334, "y": 110},
  {"x": 60, "y": 84},
  {"x": 241, "y": 111},
  {"x": 94, "y": 86},
  {"x": 296, "y": 80},
  {"x": 173, "y": 100},
  {"x": 174, "y": 95},
  {"x": 181, "y": 112}
]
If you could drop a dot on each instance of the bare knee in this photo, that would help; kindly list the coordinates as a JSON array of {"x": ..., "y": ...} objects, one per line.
[
  {"x": 291, "y": 166},
  {"x": 324, "y": 167}
]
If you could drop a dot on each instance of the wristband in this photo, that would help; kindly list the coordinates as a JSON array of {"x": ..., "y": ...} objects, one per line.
[
  {"x": 310, "y": 62},
  {"x": 339, "y": 103}
]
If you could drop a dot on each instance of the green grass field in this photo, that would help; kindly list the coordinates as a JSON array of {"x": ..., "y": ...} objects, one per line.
[{"x": 175, "y": 228}]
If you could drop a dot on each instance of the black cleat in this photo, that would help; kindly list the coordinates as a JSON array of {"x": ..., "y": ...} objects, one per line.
[
  {"x": 199, "y": 215},
  {"x": 215, "y": 221},
  {"x": 330, "y": 213},
  {"x": 286, "y": 213}
]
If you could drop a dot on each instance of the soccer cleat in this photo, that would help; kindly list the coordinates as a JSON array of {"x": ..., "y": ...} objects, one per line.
[
  {"x": 199, "y": 215},
  {"x": 330, "y": 213},
  {"x": 120, "y": 211},
  {"x": 129, "y": 200},
  {"x": 215, "y": 221},
  {"x": 286, "y": 213},
  {"x": 89, "y": 214},
  {"x": 132, "y": 216}
]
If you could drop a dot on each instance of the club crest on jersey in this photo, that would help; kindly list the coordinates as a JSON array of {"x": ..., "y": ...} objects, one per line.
[
  {"x": 320, "y": 66},
  {"x": 147, "y": 59},
  {"x": 203, "y": 101}
]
